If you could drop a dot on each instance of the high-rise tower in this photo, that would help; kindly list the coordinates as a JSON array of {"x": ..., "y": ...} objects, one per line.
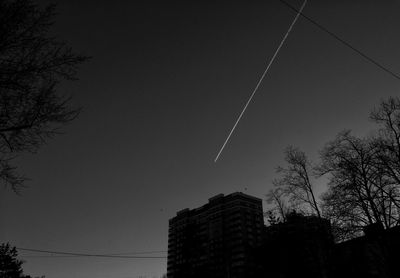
[{"x": 216, "y": 240}]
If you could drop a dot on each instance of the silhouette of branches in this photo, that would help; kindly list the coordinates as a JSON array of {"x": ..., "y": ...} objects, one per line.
[
  {"x": 295, "y": 184},
  {"x": 363, "y": 178},
  {"x": 32, "y": 64}
]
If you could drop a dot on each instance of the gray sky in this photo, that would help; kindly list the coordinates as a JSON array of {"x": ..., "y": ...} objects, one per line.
[{"x": 161, "y": 94}]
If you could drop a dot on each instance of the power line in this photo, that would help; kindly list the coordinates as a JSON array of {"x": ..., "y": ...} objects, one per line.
[
  {"x": 300, "y": 13},
  {"x": 143, "y": 252},
  {"x": 365, "y": 56},
  {"x": 115, "y": 256},
  {"x": 76, "y": 256},
  {"x": 261, "y": 79}
]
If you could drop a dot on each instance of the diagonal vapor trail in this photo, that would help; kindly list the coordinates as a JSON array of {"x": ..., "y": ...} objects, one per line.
[{"x": 261, "y": 79}]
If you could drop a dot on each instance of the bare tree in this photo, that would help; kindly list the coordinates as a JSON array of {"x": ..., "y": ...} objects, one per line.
[
  {"x": 279, "y": 209},
  {"x": 32, "y": 64},
  {"x": 359, "y": 192},
  {"x": 363, "y": 173},
  {"x": 295, "y": 181},
  {"x": 387, "y": 115}
]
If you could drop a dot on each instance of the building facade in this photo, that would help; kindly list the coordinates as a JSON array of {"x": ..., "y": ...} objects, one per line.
[
  {"x": 301, "y": 246},
  {"x": 216, "y": 240}
]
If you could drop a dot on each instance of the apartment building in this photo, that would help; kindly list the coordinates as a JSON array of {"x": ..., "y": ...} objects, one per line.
[{"x": 216, "y": 240}]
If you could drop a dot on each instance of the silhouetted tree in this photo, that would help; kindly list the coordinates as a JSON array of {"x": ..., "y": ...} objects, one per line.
[
  {"x": 32, "y": 64},
  {"x": 360, "y": 193},
  {"x": 363, "y": 178},
  {"x": 387, "y": 115},
  {"x": 10, "y": 266},
  {"x": 279, "y": 210},
  {"x": 295, "y": 182}
]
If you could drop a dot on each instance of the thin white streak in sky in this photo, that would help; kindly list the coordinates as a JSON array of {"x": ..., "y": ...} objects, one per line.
[{"x": 261, "y": 79}]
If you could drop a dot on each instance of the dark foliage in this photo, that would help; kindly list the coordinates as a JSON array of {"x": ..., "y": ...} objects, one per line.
[{"x": 10, "y": 266}]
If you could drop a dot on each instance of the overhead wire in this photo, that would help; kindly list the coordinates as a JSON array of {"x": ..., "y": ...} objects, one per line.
[
  {"x": 332, "y": 34},
  {"x": 367, "y": 57},
  {"x": 261, "y": 79},
  {"x": 76, "y": 254}
]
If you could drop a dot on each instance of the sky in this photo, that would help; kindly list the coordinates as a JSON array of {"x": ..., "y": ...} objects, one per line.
[{"x": 165, "y": 86}]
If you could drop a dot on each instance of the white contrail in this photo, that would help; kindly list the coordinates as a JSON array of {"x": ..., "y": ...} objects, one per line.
[{"x": 261, "y": 79}]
